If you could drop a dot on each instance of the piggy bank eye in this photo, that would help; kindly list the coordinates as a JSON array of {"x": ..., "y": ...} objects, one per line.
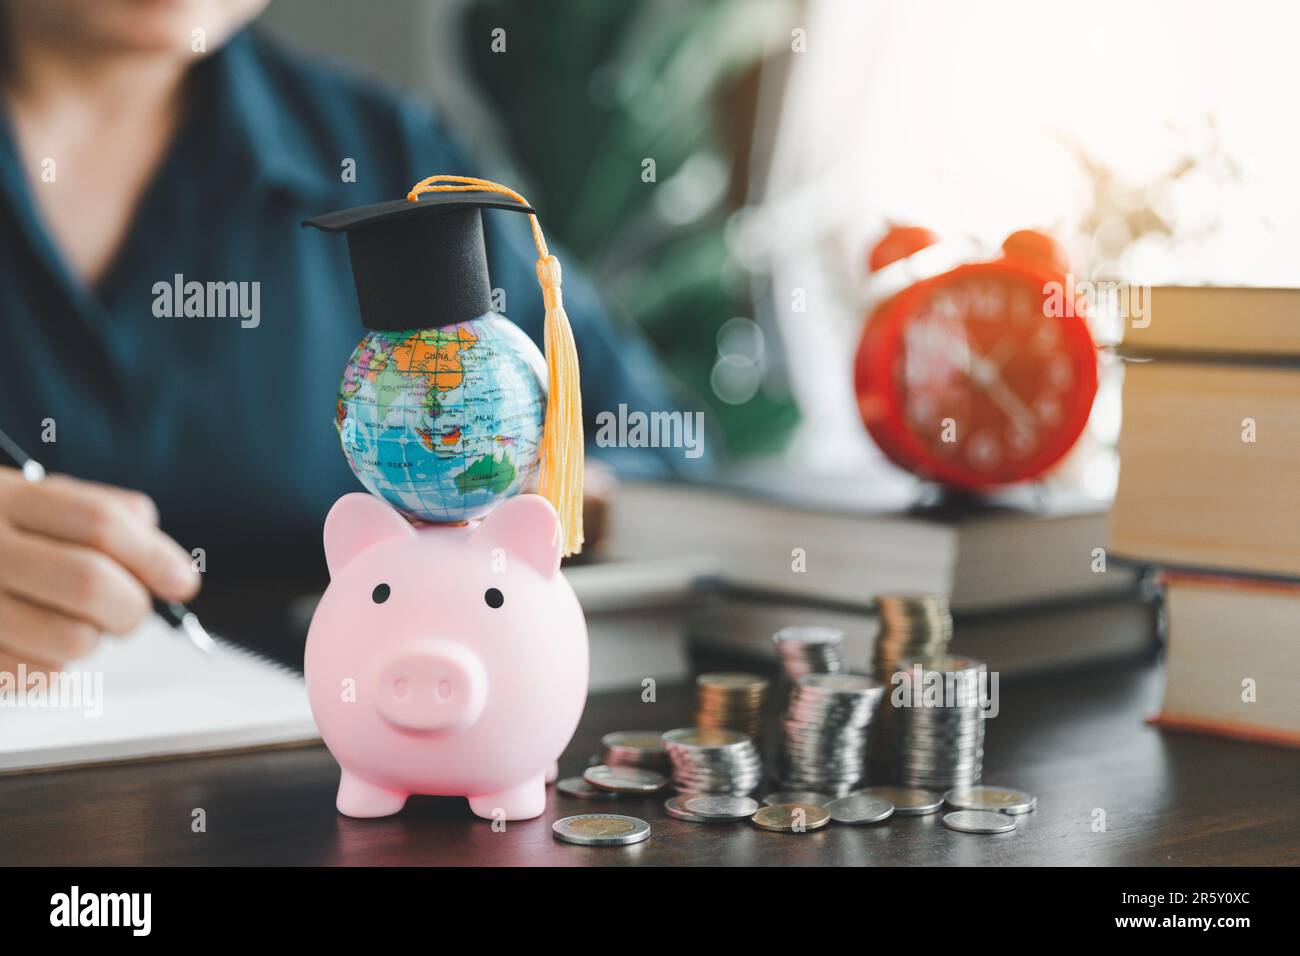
[
  {"x": 494, "y": 598},
  {"x": 380, "y": 594}
]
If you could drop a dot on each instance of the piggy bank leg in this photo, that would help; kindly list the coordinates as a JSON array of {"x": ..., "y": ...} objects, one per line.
[
  {"x": 552, "y": 772},
  {"x": 357, "y": 798},
  {"x": 523, "y": 802}
]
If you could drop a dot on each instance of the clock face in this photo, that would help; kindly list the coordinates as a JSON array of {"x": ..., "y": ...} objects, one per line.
[{"x": 969, "y": 379}]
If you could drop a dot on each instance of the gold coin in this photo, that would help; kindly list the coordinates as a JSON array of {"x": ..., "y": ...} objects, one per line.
[
  {"x": 791, "y": 817},
  {"x": 602, "y": 826}
]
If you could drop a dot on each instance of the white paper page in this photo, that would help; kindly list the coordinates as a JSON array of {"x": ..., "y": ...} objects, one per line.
[{"x": 155, "y": 694}]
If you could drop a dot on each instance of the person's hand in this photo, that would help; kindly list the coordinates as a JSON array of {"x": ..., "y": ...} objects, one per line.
[{"x": 78, "y": 559}]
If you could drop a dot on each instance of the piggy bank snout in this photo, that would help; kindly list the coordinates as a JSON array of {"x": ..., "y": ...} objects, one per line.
[{"x": 432, "y": 686}]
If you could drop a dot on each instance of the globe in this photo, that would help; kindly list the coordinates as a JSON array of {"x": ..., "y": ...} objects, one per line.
[{"x": 444, "y": 423}]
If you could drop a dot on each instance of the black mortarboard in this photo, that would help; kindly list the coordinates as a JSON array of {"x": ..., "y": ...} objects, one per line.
[{"x": 420, "y": 263}]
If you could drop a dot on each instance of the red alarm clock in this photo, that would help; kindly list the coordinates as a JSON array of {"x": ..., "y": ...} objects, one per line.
[{"x": 978, "y": 376}]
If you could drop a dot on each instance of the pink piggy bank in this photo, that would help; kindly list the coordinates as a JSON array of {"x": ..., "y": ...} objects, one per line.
[{"x": 446, "y": 659}]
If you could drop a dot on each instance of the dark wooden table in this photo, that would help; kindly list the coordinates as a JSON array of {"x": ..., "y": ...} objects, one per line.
[{"x": 1076, "y": 740}]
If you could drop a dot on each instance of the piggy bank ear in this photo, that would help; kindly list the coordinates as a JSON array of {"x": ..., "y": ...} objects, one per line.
[
  {"x": 356, "y": 522},
  {"x": 527, "y": 527}
]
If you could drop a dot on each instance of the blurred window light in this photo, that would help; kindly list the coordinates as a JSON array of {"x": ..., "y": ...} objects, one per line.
[{"x": 1151, "y": 138}]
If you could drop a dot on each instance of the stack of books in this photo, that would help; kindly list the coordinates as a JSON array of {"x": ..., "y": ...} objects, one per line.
[
  {"x": 1210, "y": 489},
  {"x": 1019, "y": 570}
]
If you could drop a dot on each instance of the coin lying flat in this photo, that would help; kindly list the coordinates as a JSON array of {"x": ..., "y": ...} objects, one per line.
[
  {"x": 978, "y": 821},
  {"x": 624, "y": 779},
  {"x": 791, "y": 818},
  {"x": 600, "y": 829},
  {"x": 859, "y": 808},
  {"x": 797, "y": 796},
  {"x": 577, "y": 787},
  {"x": 721, "y": 806},
  {"x": 676, "y": 807},
  {"x": 998, "y": 799},
  {"x": 907, "y": 801}
]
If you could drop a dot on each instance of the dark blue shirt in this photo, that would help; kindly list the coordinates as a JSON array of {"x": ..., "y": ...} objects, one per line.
[{"x": 229, "y": 428}]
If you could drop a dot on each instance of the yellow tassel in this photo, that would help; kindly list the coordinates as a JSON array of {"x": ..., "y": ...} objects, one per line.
[{"x": 560, "y": 480}]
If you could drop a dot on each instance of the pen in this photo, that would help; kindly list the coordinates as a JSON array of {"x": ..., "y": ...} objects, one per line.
[{"x": 181, "y": 618}]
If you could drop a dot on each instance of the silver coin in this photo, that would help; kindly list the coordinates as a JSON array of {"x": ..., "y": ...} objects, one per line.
[
  {"x": 577, "y": 787},
  {"x": 699, "y": 737},
  {"x": 934, "y": 783},
  {"x": 978, "y": 821},
  {"x": 913, "y": 777},
  {"x": 995, "y": 799},
  {"x": 797, "y": 796},
  {"x": 841, "y": 685},
  {"x": 828, "y": 791},
  {"x": 714, "y": 784},
  {"x": 624, "y": 779},
  {"x": 948, "y": 664},
  {"x": 929, "y": 766},
  {"x": 683, "y": 775},
  {"x": 859, "y": 808},
  {"x": 907, "y": 801},
  {"x": 718, "y": 806},
  {"x": 694, "y": 789},
  {"x": 808, "y": 634},
  {"x": 676, "y": 807},
  {"x": 600, "y": 829}
]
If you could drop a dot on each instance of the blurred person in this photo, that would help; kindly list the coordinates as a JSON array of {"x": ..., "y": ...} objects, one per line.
[{"x": 134, "y": 149}]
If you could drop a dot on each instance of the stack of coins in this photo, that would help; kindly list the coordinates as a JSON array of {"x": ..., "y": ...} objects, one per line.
[
  {"x": 911, "y": 625},
  {"x": 809, "y": 650},
  {"x": 713, "y": 761},
  {"x": 824, "y": 732},
  {"x": 730, "y": 702},
  {"x": 634, "y": 748},
  {"x": 941, "y": 745}
]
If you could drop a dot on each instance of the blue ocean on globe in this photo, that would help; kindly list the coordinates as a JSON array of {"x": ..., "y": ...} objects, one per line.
[{"x": 444, "y": 423}]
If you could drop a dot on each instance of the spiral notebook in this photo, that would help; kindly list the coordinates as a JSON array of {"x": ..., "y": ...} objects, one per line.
[{"x": 152, "y": 694}]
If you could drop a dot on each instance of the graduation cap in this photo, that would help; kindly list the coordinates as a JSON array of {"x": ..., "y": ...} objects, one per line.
[{"x": 420, "y": 262}]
